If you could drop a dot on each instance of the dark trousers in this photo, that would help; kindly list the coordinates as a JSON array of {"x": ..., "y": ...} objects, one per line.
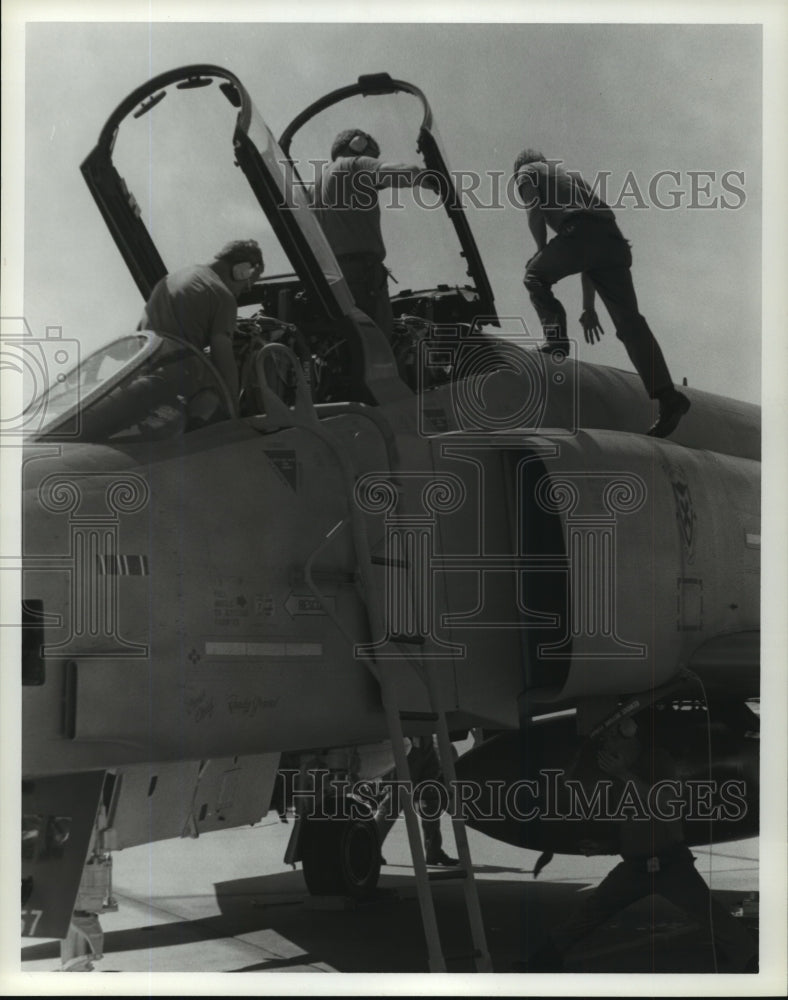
[
  {"x": 597, "y": 248},
  {"x": 679, "y": 882},
  {"x": 367, "y": 280},
  {"x": 430, "y": 828},
  {"x": 424, "y": 765}
]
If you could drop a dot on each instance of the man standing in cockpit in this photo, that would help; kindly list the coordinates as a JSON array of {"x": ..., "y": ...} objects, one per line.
[{"x": 346, "y": 204}]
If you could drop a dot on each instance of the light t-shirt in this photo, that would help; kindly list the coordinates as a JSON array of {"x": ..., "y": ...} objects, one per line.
[
  {"x": 558, "y": 193},
  {"x": 193, "y": 304},
  {"x": 346, "y": 201}
]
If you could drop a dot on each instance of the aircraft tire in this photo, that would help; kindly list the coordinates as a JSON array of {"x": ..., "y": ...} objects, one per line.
[{"x": 341, "y": 856}]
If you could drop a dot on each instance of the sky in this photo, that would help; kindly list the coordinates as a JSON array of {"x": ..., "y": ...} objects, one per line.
[{"x": 627, "y": 101}]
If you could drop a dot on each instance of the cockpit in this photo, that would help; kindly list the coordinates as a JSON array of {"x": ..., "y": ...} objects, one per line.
[
  {"x": 142, "y": 387},
  {"x": 185, "y": 164}
]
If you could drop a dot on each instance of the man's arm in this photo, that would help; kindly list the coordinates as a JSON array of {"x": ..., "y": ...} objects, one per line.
[
  {"x": 223, "y": 359},
  {"x": 402, "y": 175},
  {"x": 538, "y": 227},
  {"x": 588, "y": 318},
  {"x": 660, "y": 767},
  {"x": 220, "y": 342},
  {"x": 529, "y": 193},
  {"x": 589, "y": 292}
]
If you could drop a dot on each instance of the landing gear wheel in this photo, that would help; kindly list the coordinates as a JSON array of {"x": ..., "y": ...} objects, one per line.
[{"x": 341, "y": 856}]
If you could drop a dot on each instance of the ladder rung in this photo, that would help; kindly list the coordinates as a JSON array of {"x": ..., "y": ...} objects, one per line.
[
  {"x": 333, "y": 576},
  {"x": 419, "y": 716},
  {"x": 385, "y": 561},
  {"x": 432, "y": 721},
  {"x": 413, "y": 640},
  {"x": 447, "y": 875}
]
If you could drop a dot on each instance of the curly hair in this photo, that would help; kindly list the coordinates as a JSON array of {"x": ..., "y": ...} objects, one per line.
[{"x": 240, "y": 251}]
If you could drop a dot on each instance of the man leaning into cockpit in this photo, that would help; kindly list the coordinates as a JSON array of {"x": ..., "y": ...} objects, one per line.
[{"x": 199, "y": 304}]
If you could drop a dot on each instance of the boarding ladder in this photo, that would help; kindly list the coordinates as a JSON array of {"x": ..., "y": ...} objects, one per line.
[
  {"x": 424, "y": 878},
  {"x": 415, "y": 650}
]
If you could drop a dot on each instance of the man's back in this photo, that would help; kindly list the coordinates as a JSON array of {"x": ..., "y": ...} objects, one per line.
[
  {"x": 561, "y": 193},
  {"x": 193, "y": 303},
  {"x": 346, "y": 205}
]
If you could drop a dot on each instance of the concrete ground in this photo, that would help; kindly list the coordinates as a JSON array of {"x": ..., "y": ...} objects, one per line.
[{"x": 226, "y": 903}]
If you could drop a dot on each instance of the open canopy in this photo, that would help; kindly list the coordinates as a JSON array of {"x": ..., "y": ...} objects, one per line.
[
  {"x": 430, "y": 148},
  {"x": 172, "y": 151}
]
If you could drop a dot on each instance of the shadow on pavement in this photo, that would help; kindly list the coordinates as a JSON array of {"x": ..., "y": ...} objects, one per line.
[{"x": 385, "y": 934}]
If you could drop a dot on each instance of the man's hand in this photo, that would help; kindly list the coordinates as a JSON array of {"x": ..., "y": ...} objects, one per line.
[
  {"x": 223, "y": 358},
  {"x": 591, "y": 327},
  {"x": 612, "y": 763}
]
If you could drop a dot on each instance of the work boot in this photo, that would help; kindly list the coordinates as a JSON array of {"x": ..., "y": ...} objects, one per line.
[
  {"x": 672, "y": 407},
  {"x": 441, "y": 858}
]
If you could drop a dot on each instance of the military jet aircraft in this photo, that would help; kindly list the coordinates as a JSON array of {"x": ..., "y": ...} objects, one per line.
[{"x": 450, "y": 529}]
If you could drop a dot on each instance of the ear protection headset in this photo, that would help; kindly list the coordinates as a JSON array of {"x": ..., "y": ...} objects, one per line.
[
  {"x": 359, "y": 143},
  {"x": 244, "y": 270},
  {"x": 362, "y": 143}
]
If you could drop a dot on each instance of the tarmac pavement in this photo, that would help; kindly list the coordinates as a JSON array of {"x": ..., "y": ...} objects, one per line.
[{"x": 227, "y": 903}]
